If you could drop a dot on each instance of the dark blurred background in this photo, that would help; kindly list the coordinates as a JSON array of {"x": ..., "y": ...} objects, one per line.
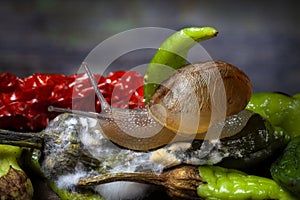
[{"x": 53, "y": 36}]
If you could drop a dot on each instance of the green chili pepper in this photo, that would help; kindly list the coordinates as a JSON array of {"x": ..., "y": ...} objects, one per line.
[
  {"x": 281, "y": 110},
  {"x": 223, "y": 183},
  {"x": 172, "y": 55},
  {"x": 286, "y": 170}
]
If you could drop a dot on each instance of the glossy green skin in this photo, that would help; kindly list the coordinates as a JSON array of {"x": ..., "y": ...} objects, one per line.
[
  {"x": 8, "y": 158},
  {"x": 223, "y": 183},
  {"x": 281, "y": 110},
  {"x": 286, "y": 170},
  {"x": 172, "y": 55}
]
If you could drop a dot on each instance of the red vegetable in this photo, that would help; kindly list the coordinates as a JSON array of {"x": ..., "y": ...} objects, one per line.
[{"x": 24, "y": 101}]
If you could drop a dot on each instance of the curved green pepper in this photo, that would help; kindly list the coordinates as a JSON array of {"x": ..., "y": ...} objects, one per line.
[
  {"x": 281, "y": 110},
  {"x": 223, "y": 183},
  {"x": 172, "y": 54},
  {"x": 286, "y": 170}
]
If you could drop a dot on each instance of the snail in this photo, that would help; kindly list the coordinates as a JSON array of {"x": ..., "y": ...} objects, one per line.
[{"x": 179, "y": 110}]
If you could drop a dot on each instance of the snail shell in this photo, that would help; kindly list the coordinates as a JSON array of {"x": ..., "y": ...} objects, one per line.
[
  {"x": 184, "y": 102},
  {"x": 172, "y": 112}
]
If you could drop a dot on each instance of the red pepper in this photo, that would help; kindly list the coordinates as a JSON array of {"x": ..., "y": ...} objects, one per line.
[{"x": 24, "y": 101}]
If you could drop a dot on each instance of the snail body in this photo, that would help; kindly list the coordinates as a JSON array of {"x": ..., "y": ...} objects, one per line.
[{"x": 179, "y": 110}]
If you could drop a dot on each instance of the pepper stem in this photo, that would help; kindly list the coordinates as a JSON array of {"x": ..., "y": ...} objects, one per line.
[
  {"x": 30, "y": 140},
  {"x": 181, "y": 182},
  {"x": 140, "y": 177}
]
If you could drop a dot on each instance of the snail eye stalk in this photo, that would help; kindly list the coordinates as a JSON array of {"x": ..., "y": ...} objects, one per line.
[
  {"x": 105, "y": 106},
  {"x": 77, "y": 112}
]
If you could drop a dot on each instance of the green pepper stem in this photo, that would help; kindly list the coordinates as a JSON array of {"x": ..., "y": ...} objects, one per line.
[{"x": 30, "y": 140}]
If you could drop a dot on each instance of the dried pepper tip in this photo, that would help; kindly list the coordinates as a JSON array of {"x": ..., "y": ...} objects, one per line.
[{"x": 14, "y": 183}]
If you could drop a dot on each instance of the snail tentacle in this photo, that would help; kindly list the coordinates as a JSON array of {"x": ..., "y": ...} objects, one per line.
[{"x": 104, "y": 105}]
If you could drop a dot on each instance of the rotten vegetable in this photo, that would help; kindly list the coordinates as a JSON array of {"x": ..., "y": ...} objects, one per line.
[
  {"x": 61, "y": 154},
  {"x": 71, "y": 141},
  {"x": 14, "y": 183}
]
